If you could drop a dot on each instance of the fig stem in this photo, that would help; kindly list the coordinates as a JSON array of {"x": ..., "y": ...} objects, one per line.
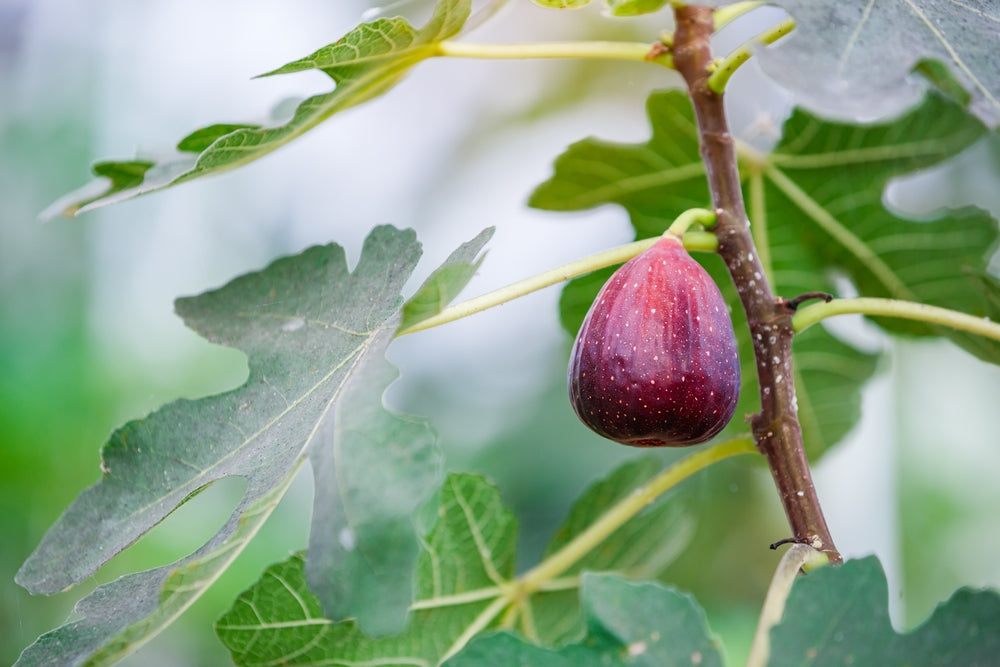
[
  {"x": 701, "y": 216},
  {"x": 704, "y": 241},
  {"x": 615, "y": 517},
  {"x": 776, "y": 428},
  {"x": 907, "y": 310},
  {"x": 799, "y": 557}
]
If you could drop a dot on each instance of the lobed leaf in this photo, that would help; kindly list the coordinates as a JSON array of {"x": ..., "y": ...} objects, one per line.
[
  {"x": 840, "y": 615},
  {"x": 365, "y": 63},
  {"x": 314, "y": 334},
  {"x": 627, "y": 624},
  {"x": 466, "y": 565},
  {"x": 854, "y": 58}
]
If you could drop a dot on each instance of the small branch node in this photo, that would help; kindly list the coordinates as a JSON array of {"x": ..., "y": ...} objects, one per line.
[{"x": 794, "y": 303}]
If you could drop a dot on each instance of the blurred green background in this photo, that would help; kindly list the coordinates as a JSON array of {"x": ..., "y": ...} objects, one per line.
[{"x": 88, "y": 338}]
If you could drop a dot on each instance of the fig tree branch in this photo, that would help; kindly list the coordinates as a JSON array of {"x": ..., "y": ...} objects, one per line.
[{"x": 776, "y": 428}]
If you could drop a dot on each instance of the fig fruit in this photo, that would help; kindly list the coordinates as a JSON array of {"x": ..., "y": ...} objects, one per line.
[{"x": 655, "y": 363}]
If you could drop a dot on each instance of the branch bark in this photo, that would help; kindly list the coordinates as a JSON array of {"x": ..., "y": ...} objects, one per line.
[{"x": 776, "y": 428}]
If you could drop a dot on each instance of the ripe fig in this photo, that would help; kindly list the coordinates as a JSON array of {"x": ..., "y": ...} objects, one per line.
[{"x": 655, "y": 361}]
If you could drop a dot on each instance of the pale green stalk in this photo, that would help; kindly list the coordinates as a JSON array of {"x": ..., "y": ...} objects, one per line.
[
  {"x": 727, "y": 66},
  {"x": 634, "y": 51},
  {"x": 907, "y": 310},
  {"x": 513, "y": 600},
  {"x": 616, "y": 516},
  {"x": 724, "y": 15},
  {"x": 799, "y": 556},
  {"x": 704, "y": 241},
  {"x": 701, "y": 216}
]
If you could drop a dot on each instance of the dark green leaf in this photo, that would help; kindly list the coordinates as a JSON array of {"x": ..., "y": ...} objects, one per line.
[
  {"x": 627, "y": 624},
  {"x": 364, "y": 64},
  {"x": 314, "y": 334},
  {"x": 640, "y": 549},
  {"x": 840, "y": 616},
  {"x": 654, "y": 181},
  {"x": 468, "y": 553},
  {"x": 830, "y": 178},
  {"x": 854, "y": 57},
  {"x": 446, "y": 282},
  {"x": 817, "y": 212}
]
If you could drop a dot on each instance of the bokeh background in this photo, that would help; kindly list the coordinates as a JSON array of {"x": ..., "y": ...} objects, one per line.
[{"x": 88, "y": 339}]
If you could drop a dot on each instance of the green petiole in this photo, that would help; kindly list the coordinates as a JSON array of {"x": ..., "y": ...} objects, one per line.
[
  {"x": 703, "y": 241},
  {"x": 907, "y": 310}
]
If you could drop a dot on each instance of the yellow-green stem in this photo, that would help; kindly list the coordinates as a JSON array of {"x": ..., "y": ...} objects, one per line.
[
  {"x": 724, "y": 15},
  {"x": 634, "y": 51},
  {"x": 908, "y": 310},
  {"x": 799, "y": 556},
  {"x": 727, "y": 66},
  {"x": 689, "y": 217},
  {"x": 704, "y": 241},
  {"x": 615, "y": 517}
]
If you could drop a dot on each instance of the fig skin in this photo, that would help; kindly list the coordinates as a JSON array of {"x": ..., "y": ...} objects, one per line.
[{"x": 655, "y": 362}]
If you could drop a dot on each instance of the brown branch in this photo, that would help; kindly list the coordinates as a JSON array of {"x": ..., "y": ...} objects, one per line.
[{"x": 776, "y": 428}]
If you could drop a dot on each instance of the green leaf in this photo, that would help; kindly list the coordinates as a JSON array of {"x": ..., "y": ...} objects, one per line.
[
  {"x": 562, "y": 4},
  {"x": 817, "y": 211},
  {"x": 853, "y": 58},
  {"x": 840, "y": 615},
  {"x": 466, "y": 567},
  {"x": 831, "y": 177},
  {"x": 468, "y": 553},
  {"x": 446, "y": 282},
  {"x": 633, "y": 7},
  {"x": 654, "y": 181},
  {"x": 640, "y": 549},
  {"x": 314, "y": 334},
  {"x": 627, "y": 624},
  {"x": 365, "y": 63}
]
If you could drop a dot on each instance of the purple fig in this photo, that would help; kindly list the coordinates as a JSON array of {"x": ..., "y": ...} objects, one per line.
[{"x": 655, "y": 363}]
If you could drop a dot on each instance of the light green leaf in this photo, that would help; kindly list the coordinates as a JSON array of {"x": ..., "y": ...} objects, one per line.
[
  {"x": 640, "y": 549},
  {"x": 314, "y": 334},
  {"x": 840, "y": 615},
  {"x": 446, "y": 282},
  {"x": 364, "y": 64},
  {"x": 853, "y": 58},
  {"x": 562, "y": 4},
  {"x": 627, "y": 624},
  {"x": 468, "y": 553},
  {"x": 633, "y": 7}
]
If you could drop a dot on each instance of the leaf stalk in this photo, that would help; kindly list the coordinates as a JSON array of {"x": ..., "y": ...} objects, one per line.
[
  {"x": 725, "y": 69},
  {"x": 704, "y": 241},
  {"x": 634, "y": 51},
  {"x": 908, "y": 310},
  {"x": 798, "y": 557}
]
